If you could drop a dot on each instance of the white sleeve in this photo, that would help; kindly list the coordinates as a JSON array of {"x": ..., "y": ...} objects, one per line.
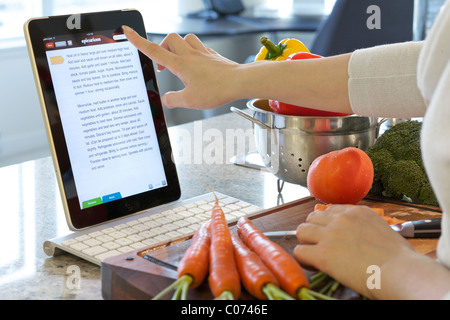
[
  {"x": 436, "y": 156},
  {"x": 434, "y": 82},
  {"x": 383, "y": 81},
  {"x": 435, "y": 54}
]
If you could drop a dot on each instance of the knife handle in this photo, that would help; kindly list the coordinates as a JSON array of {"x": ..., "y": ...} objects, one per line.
[{"x": 428, "y": 228}]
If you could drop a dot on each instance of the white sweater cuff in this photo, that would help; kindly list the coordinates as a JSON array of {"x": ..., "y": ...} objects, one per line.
[{"x": 383, "y": 81}]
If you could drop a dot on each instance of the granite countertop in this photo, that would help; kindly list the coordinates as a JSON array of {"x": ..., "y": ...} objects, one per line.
[{"x": 32, "y": 210}]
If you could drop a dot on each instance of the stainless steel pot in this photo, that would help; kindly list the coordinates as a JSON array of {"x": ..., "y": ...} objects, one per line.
[{"x": 289, "y": 144}]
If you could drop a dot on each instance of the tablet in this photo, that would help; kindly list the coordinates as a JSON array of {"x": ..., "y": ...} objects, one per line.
[{"x": 103, "y": 116}]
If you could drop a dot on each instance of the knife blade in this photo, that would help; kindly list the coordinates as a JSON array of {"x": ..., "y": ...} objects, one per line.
[{"x": 427, "y": 228}]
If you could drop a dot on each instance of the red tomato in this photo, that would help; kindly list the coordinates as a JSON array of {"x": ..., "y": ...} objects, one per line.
[
  {"x": 293, "y": 110},
  {"x": 341, "y": 177}
]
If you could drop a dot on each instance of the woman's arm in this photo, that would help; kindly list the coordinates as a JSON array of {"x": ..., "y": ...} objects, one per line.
[{"x": 211, "y": 80}]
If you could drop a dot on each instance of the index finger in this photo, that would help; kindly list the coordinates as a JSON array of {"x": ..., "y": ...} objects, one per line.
[{"x": 155, "y": 52}]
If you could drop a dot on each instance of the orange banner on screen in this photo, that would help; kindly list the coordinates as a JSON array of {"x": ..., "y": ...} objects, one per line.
[{"x": 56, "y": 60}]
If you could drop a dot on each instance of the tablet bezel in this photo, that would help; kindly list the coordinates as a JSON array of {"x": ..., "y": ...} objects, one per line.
[{"x": 35, "y": 31}]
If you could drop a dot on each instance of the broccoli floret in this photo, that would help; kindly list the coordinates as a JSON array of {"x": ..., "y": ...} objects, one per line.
[{"x": 398, "y": 165}]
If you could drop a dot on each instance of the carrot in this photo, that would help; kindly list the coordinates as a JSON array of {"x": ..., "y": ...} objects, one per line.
[
  {"x": 322, "y": 207},
  {"x": 393, "y": 220},
  {"x": 193, "y": 267},
  {"x": 224, "y": 278},
  {"x": 286, "y": 269},
  {"x": 380, "y": 211},
  {"x": 256, "y": 278}
]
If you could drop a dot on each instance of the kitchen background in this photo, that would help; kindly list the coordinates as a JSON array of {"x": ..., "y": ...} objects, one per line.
[{"x": 22, "y": 133}]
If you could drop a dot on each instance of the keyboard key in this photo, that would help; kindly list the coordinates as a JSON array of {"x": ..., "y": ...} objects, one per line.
[
  {"x": 162, "y": 238},
  {"x": 108, "y": 254},
  {"x": 181, "y": 223},
  {"x": 123, "y": 241},
  {"x": 95, "y": 250},
  {"x": 108, "y": 230},
  {"x": 129, "y": 231},
  {"x": 92, "y": 242},
  {"x": 192, "y": 220},
  {"x": 171, "y": 227},
  {"x": 174, "y": 234},
  {"x": 150, "y": 242},
  {"x": 111, "y": 245},
  {"x": 95, "y": 234},
  {"x": 135, "y": 238},
  {"x": 132, "y": 223},
  {"x": 120, "y": 226},
  {"x": 138, "y": 245},
  {"x": 141, "y": 227},
  {"x": 105, "y": 238},
  {"x": 186, "y": 214},
  {"x": 69, "y": 242},
  {"x": 164, "y": 220},
  {"x": 117, "y": 234},
  {"x": 185, "y": 231},
  {"x": 152, "y": 224},
  {"x": 174, "y": 217},
  {"x": 82, "y": 238},
  {"x": 196, "y": 210},
  {"x": 125, "y": 249},
  {"x": 159, "y": 230},
  {"x": 147, "y": 234},
  {"x": 79, "y": 246}
]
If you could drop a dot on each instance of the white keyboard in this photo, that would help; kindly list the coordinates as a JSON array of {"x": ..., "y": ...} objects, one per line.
[{"x": 147, "y": 229}]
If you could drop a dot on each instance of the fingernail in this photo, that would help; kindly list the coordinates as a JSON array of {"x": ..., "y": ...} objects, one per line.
[{"x": 126, "y": 29}]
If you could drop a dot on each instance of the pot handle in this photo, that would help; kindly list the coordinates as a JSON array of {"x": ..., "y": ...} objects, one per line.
[
  {"x": 380, "y": 122},
  {"x": 249, "y": 117}
]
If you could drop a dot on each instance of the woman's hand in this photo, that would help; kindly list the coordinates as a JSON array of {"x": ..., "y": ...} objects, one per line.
[
  {"x": 343, "y": 241},
  {"x": 208, "y": 77}
]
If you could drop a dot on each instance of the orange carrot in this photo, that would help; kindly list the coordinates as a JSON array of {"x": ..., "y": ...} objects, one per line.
[
  {"x": 193, "y": 267},
  {"x": 380, "y": 211},
  {"x": 289, "y": 273},
  {"x": 224, "y": 278},
  {"x": 321, "y": 207},
  {"x": 393, "y": 220},
  {"x": 256, "y": 278}
]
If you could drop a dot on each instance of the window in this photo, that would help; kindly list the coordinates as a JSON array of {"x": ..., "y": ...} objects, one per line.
[{"x": 14, "y": 13}]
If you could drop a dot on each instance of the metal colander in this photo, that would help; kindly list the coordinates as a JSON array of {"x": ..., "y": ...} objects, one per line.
[{"x": 289, "y": 144}]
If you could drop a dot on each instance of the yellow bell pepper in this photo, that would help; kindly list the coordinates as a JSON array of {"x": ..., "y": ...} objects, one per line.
[{"x": 279, "y": 52}]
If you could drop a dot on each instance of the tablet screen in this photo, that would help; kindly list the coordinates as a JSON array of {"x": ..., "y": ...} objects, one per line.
[
  {"x": 110, "y": 115},
  {"x": 105, "y": 114}
]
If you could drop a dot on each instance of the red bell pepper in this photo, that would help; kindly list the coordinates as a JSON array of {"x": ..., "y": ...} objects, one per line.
[{"x": 293, "y": 110}]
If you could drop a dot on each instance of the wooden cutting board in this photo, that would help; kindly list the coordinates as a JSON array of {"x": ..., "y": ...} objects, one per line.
[{"x": 132, "y": 276}]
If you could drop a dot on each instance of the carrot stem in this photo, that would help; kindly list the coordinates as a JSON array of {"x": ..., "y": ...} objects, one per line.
[
  {"x": 275, "y": 293},
  {"x": 180, "y": 286},
  {"x": 306, "y": 294},
  {"x": 225, "y": 295},
  {"x": 330, "y": 286},
  {"x": 317, "y": 279}
]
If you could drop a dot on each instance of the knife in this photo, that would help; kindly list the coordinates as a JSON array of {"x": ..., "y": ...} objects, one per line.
[{"x": 428, "y": 228}]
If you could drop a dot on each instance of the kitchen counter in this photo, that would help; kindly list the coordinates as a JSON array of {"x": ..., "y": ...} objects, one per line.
[{"x": 32, "y": 210}]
